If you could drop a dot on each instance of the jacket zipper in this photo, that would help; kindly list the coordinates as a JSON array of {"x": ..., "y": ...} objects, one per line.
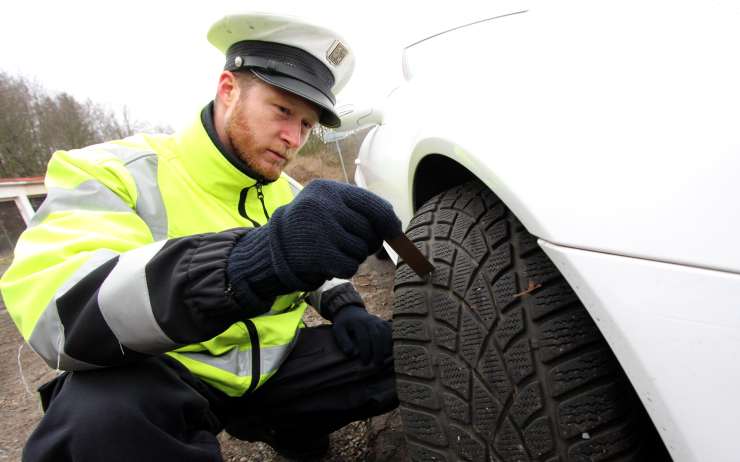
[
  {"x": 242, "y": 207},
  {"x": 261, "y": 197},
  {"x": 255, "y": 341},
  {"x": 251, "y": 328}
]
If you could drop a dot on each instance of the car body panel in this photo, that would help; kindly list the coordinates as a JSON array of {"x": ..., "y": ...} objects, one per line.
[
  {"x": 676, "y": 332},
  {"x": 639, "y": 164},
  {"x": 610, "y": 129}
]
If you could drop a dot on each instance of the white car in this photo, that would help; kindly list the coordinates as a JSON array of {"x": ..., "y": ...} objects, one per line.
[{"x": 572, "y": 169}]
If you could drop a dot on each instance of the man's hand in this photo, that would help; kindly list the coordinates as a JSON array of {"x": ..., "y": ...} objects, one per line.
[
  {"x": 328, "y": 230},
  {"x": 359, "y": 332}
]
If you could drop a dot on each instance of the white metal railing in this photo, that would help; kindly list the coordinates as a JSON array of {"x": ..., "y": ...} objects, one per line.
[{"x": 19, "y": 189}]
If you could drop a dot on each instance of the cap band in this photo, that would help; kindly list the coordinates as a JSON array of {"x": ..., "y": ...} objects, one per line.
[{"x": 276, "y": 58}]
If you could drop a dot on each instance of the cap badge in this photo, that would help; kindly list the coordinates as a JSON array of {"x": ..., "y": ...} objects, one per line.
[
  {"x": 336, "y": 53},
  {"x": 238, "y": 61}
]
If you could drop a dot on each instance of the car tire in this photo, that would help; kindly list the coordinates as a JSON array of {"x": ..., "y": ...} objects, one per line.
[{"x": 496, "y": 358}]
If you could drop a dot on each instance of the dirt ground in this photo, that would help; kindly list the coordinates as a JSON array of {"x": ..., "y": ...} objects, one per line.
[{"x": 22, "y": 372}]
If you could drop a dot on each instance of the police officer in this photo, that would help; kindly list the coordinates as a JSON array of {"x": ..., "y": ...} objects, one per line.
[{"x": 168, "y": 275}]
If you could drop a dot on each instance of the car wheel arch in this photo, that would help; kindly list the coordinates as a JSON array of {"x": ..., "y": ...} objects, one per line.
[{"x": 435, "y": 173}]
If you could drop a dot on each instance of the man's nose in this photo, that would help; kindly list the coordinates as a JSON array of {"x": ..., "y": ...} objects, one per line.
[{"x": 291, "y": 134}]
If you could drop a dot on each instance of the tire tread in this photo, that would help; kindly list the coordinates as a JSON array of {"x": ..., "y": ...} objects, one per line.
[{"x": 489, "y": 370}]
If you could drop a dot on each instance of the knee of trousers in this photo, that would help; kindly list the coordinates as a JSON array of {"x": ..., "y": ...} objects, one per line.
[
  {"x": 376, "y": 392},
  {"x": 382, "y": 394},
  {"x": 119, "y": 404},
  {"x": 95, "y": 418},
  {"x": 82, "y": 427}
]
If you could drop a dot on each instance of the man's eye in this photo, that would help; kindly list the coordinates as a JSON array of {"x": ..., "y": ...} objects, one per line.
[
  {"x": 283, "y": 110},
  {"x": 307, "y": 125}
]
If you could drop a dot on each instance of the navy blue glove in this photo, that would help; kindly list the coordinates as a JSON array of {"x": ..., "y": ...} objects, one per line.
[
  {"x": 359, "y": 332},
  {"x": 328, "y": 230}
]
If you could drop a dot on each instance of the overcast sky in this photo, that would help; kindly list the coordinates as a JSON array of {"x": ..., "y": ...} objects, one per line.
[{"x": 153, "y": 56}]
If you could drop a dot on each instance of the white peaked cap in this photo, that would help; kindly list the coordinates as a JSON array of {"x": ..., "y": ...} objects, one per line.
[{"x": 303, "y": 58}]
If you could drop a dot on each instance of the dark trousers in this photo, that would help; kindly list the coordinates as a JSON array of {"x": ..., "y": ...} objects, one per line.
[{"x": 156, "y": 410}]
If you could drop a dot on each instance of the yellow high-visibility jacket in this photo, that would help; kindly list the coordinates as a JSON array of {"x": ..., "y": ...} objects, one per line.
[{"x": 126, "y": 258}]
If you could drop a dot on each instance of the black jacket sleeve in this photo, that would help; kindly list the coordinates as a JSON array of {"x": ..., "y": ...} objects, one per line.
[{"x": 141, "y": 303}]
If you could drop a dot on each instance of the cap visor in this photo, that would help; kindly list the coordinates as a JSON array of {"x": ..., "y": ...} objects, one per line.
[{"x": 327, "y": 117}]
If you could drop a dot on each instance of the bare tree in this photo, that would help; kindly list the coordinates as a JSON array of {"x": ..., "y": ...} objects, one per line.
[
  {"x": 17, "y": 127},
  {"x": 34, "y": 124}
]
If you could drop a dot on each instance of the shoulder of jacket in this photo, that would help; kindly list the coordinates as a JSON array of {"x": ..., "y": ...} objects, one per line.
[
  {"x": 108, "y": 163},
  {"x": 125, "y": 151}
]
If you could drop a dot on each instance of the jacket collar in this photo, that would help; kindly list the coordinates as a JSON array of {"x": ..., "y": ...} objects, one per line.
[
  {"x": 207, "y": 162},
  {"x": 206, "y": 117}
]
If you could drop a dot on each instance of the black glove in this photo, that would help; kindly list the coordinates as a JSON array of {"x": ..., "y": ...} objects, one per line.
[
  {"x": 328, "y": 230},
  {"x": 359, "y": 332}
]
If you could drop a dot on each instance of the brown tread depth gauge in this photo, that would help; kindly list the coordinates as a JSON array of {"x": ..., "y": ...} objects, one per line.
[{"x": 406, "y": 249}]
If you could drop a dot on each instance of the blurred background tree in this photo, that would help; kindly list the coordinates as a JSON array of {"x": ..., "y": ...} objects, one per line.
[{"x": 34, "y": 123}]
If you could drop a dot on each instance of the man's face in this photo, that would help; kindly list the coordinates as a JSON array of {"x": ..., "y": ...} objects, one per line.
[{"x": 268, "y": 126}]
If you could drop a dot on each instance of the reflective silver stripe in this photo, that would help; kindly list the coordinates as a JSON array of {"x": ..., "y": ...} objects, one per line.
[
  {"x": 239, "y": 362},
  {"x": 47, "y": 338},
  {"x": 93, "y": 195},
  {"x": 90, "y": 195},
  {"x": 125, "y": 153},
  {"x": 142, "y": 164},
  {"x": 149, "y": 203},
  {"x": 272, "y": 358},
  {"x": 124, "y": 302},
  {"x": 236, "y": 362},
  {"x": 314, "y": 298}
]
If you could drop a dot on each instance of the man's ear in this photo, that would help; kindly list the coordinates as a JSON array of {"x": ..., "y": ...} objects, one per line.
[
  {"x": 227, "y": 98},
  {"x": 227, "y": 93}
]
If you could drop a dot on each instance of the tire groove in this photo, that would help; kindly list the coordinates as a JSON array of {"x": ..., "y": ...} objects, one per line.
[
  {"x": 603, "y": 429},
  {"x": 434, "y": 349},
  {"x": 564, "y": 357},
  {"x": 579, "y": 389},
  {"x": 558, "y": 312},
  {"x": 520, "y": 386},
  {"x": 541, "y": 370}
]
